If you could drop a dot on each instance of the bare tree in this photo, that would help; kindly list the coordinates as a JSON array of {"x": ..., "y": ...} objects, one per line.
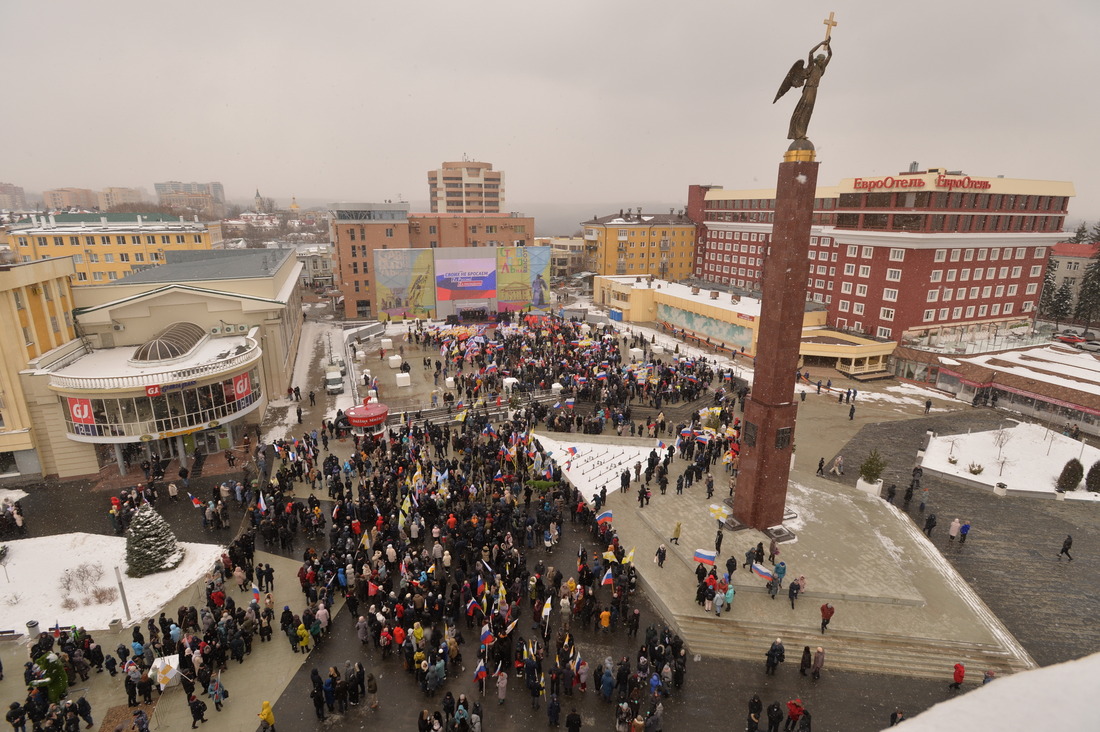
[{"x": 1001, "y": 437}]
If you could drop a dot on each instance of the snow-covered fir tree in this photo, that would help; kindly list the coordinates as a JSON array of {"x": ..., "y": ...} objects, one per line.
[{"x": 150, "y": 544}]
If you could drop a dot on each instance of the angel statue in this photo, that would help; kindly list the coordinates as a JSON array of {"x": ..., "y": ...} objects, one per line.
[{"x": 807, "y": 76}]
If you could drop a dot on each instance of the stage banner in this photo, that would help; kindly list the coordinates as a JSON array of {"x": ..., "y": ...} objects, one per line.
[
  {"x": 468, "y": 278},
  {"x": 404, "y": 283},
  {"x": 523, "y": 277}
]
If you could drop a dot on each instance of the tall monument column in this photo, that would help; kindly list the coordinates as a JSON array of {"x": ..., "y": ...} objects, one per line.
[{"x": 767, "y": 438}]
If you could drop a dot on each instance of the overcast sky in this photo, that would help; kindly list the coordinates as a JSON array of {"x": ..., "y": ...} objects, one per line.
[{"x": 599, "y": 104}]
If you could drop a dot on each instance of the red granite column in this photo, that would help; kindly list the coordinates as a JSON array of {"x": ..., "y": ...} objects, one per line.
[{"x": 768, "y": 437}]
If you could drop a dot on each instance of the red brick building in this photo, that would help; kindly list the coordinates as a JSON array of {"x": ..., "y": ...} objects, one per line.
[{"x": 899, "y": 256}]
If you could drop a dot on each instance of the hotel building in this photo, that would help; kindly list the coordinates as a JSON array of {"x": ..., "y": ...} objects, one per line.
[
  {"x": 899, "y": 256},
  {"x": 466, "y": 187}
]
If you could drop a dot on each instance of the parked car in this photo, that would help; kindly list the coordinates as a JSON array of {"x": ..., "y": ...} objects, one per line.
[
  {"x": 1092, "y": 346},
  {"x": 1071, "y": 339},
  {"x": 334, "y": 382}
]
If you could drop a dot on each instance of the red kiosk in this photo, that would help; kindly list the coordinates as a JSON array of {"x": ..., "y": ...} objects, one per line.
[{"x": 371, "y": 416}]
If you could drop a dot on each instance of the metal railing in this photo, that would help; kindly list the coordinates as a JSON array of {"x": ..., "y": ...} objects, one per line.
[{"x": 168, "y": 376}]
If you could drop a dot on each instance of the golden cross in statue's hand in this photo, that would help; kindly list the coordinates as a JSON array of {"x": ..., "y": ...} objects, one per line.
[{"x": 829, "y": 25}]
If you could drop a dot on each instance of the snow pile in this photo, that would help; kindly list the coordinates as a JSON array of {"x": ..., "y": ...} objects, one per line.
[
  {"x": 595, "y": 465},
  {"x": 1030, "y": 458},
  {"x": 35, "y": 567},
  {"x": 1054, "y": 697}
]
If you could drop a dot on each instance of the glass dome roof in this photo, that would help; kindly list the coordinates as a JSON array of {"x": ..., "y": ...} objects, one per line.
[{"x": 173, "y": 342}]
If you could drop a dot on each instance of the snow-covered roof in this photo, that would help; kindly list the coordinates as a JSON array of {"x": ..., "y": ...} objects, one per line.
[{"x": 745, "y": 306}]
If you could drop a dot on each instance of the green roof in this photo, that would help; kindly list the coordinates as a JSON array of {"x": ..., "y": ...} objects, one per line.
[{"x": 95, "y": 218}]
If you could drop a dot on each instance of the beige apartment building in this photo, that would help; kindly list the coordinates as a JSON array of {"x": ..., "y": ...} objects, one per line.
[
  {"x": 58, "y": 199},
  {"x": 107, "y": 247},
  {"x": 466, "y": 187}
]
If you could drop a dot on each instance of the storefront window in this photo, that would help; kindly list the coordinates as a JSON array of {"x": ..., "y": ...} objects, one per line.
[{"x": 177, "y": 409}]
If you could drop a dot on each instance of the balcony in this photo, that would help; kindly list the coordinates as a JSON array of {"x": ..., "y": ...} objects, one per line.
[
  {"x": 624, "y": 237},
  {"x": 665, "y": 245},
  {"x": 591, "y": 236},
  {"x": 621, "y": 247}
]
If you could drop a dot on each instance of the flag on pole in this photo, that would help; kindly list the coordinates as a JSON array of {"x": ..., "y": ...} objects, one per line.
[
  {"x": 703, "y": 438},
  {"x": 571, "y": 450},
  {"x": 471, "y": 606},
  {"x": 262, "y": 503},
  {"x": 487, "y": 635},
  {"x": 605, "y": 517},
  {"x": 608, "y": 578},
  {"x": 762, "y": 572},
  {"x": 511, "y": 627},
  {"x": 721, "y": 513},
  {"x": 194, "y": 501},
  {"x": 629, "y": 558},
  {"x": 480, "y": 672},
  {"x": 610, "y": 556},
  {"x": 256, "y": 594},
  {"x": 499, "y": 476},
  {"x": 480, "y": 585},
  {"x": 704, "y": 556},
  {"x": 661, "y": 445},
  {"x": 569, "y": 403},
  {"x": 546, "y": 609}
]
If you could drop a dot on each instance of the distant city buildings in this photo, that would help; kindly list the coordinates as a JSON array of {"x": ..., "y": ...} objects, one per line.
[
  {"x": 359, "y": 229},
  {"x": 917, "y": 253},
  {"x": 62, "y": 199},
  {"x": 206, "y": 200},
  {"x": 118, "y": 197},
  {"x": 107, "y": 247},
  {"x": 637, "y": 243},
  {"x": 466, "y": 187},
  {"x": 568, "y": 256},
  {"x": 1068, "y": 262},
  {"x": 12, "y": 198}
]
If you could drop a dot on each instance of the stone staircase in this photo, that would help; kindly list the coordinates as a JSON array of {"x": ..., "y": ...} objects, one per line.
[{"x": 849, "y": 650}]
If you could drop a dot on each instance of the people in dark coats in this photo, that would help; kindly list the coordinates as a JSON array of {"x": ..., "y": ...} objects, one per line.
[
  {"x": 929, "y": 524},
  {"x": 775, "y": 716},
  {"x": 198, "y": 711},
  {"x": 775, "y": 656},
  {"x": 806, "y": 662},
  {"x": 1066, "y": 546}
]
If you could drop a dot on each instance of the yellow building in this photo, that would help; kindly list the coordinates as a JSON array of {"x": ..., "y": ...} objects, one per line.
[
  {"x": 633, "y": 243},
  {"x": 173, "y": 360},
  {"x": 730, "y": 323},
  {"x": 35, "y": 306},
  {"x": 107, "y": 247}
]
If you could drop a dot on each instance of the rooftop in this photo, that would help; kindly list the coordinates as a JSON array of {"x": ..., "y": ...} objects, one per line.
[
  {"x": 217, "y": 264},
  {"x": 744, "y": 306},
  {"x": 630, "y": 218},
  {"x": 1073, "y": 249},
  {"x": 87, "y": 223}
]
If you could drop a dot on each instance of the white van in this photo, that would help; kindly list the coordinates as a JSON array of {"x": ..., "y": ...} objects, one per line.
[{"x": 334, "y": 381}]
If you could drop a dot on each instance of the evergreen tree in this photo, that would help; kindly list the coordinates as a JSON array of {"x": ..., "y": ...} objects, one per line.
[
  {"x": 1094, "y": 234},
  {"x": 1081, "y": 236},
  {"x": 150, "y": 544},
  {"x": 1046, "y": 297},
  {"x": 1088, "y": 295},
  {"x": 1092, "y": 478},
  {"x": 54, "y": 679},
  {"x": 1062, "y": 303},
  {"x": 872, "y": 468},
  {"x": 1071, "y": 476}
]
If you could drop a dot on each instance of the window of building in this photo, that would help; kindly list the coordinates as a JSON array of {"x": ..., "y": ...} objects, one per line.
[
  {"x": 941, "y": 255},
  {"x": 943, "y": 313},
  {"x": 864, "y": 270},
  {"x": 890, "y": 294},
  {"x": 846, "y": 288},
  {"x": 857, "y": 308},
  {"x": 1031, "y": 289},
  {"x": 1008, "y": 308},
  {"x": 853, "y": 250},
  {"x": 861, "y": 290},
  {"x": 868, "y": 252},
  {"x": 956, "y": 313},
  {"x": 973, "y": 293},
  {"x": 108, "y": 257},
  {"x": 933, "y": 295},
  {"x": 81, "y": 276},
  {"x": 969, "y": 311},
  {"x": 929, "y": 315},
  {"x": 1012, "y": 290},
  {"x": 882, "y": 332},
  {"x": 886, "y": 313},
  {"x": 897, "y": 255},
  {"x": 1036, "y": 271},
  {"x": 1021, "y": 252},
  {"x": 956, "y": 254},
  {"x": 97, "y": 276},
  {"x": 968, "y": 255},
  {"x": 937, "y": 275},
  {"x": 165, "y": 239},
  {"x": 1040, "y": 252},
  {"x": 112, "y": 275},
  {"x": 995, "y": 309},
  {"x": 139, "y": 256},
  {"x": 893, "y": 275},
  {"x": 948, "y": 293},
  {"x": 982, "y": 254},
  {"x": 843, "y": 306}
]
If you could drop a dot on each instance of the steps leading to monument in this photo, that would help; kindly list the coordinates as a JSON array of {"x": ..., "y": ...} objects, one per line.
[{"x": 844, "y": 649}]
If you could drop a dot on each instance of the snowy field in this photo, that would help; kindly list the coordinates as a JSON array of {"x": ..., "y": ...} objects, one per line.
[
  {"x": 1030, "y": 459},
  {"x": 32, "y": 590}
]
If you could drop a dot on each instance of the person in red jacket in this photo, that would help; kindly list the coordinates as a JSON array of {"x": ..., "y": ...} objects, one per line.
[
  {"x": 960, "y": 673},
  {"x": 827, "y": 611},
  {"x": 794, "y": 713}
]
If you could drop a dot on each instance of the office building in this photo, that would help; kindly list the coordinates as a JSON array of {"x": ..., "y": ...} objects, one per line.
[
  {"x": 107, "y": 247},
  {"x": 12, "y": 198},
  {"x": 62, "y": 199}
]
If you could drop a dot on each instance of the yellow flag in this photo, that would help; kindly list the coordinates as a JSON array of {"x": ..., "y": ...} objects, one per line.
[
  {"x": 629, "y": 559},
  {"x": 610, "y": 556}
]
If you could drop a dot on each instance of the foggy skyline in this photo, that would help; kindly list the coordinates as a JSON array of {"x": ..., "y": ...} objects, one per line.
[{"x": 597, "y": 105}]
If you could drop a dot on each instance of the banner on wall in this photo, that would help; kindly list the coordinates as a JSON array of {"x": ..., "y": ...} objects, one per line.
[
  {"x": 466, "y": 279},
  {"x": 523, "y": 277},
  {"x": 404, "y": 282},
  {"x": 80, "y": 410},
  {"x": 242, "y": 386}
]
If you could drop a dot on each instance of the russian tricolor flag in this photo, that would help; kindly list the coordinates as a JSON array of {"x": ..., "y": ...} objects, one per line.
[
  {"x": 602, "y": 376},
  {"x": 702, "y": 437},
  {"x": 569, "y": 403},
  {"x": 605, "y": 518},
  {"x": 705, "y": 557},
  {"x": 471, "y": 606},
  {"x": 609, "y": 579},
  {"x": 762, "y": 572},
  {"x": 486, "y": 635},
  {"x": 480, "y": 672},
  {"x": 194, "y": 501},
  {"x": 661, "y": 445}
]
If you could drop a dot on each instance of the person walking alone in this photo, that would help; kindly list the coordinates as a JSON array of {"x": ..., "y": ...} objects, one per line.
[
  {"x": 718, "y": 543},
  {"x": 267, "y": 717},
  {"x": 676, "y": 534},
  {"x": 1066, "y": 546},
  {"x": 959, "y": 675},
  {"x": 827, "y": 611}
]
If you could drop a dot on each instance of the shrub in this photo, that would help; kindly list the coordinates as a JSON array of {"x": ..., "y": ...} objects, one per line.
[
  {"x": 872, "y": 468},
  {"x": 975, "y": 469},
  {"x": 70, "y": 604},
  {"x": 953, "y": 460},
  {"x": 1070, "y": 477},
  {"x": 1092, "y": 479}
]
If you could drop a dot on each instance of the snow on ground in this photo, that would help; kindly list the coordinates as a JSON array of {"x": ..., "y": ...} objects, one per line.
[
  {"x": 1034, "y": 457},
  {"x": 1054, "y": 697},
  {"x": 11, "y": 494},
  {"x": 596, "y": 464},
  {"x": 315, "y": 335},
  {"x": 34, "y": 568}
]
